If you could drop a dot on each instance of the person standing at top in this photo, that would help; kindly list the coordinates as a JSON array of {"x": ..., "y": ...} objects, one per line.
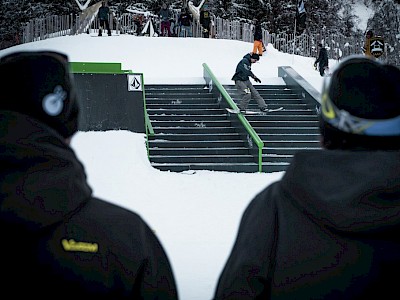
[
  {"x": 138, "y": 21},
  {"x": 103, "y": 15},
  {"x": 258, "y": 45},
  {"x": 58, "y": 237},
  {"x": 165, "y": 16},
  {"x": 329, "y": 228},
  {"x": 322, "y": 60},
  {"x": 243, "y": 85},
  {"x": 205, "y": 20},
  {"x": 185, "y": 22}
]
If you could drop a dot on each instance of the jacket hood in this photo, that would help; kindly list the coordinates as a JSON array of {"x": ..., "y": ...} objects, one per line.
[
  {"x": 248, "y": 56},
  {"x": 346, "y": 190},
  {"x": 41, "y": 179}
]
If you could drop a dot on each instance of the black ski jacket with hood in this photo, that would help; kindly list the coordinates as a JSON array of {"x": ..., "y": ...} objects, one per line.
[
  {"x": 329, "y": 229},
  {"x": 103, "y": 13},
  {"x": 322, "y": 58},
  {"x": 243, "y": 69},
  {"x": 60, "y": 241}
]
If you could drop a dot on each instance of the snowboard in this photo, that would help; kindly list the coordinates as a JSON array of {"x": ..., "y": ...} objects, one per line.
[{"x": 254, "y": 112}]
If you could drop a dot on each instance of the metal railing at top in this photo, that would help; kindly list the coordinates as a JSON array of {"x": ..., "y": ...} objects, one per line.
[{"x": 305, "y": 44}]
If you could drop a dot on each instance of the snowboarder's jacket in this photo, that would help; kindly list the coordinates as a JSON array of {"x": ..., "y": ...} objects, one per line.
[
  {"x": 316, "y": 239},
  {"x": 60, "y": 241},
  {"x": 185, "y": 19},
  {"x": 243, "y": 69},
  {"x": 165, "y": 14},
  {"x": 205, "y": 18},
  {"x": 103, "y": 12}
]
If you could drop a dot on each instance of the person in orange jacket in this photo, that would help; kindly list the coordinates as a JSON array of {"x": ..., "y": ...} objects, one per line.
[{"x": 258, "y": 45}]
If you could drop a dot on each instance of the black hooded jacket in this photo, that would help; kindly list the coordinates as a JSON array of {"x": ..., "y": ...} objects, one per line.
[
  {"x": 243, "y": 69},
  {"x": 328, "y": 230},
  {"x": 60, "y": 241},
  {"x": 103, "y": 12},
  {"x": 322, "y": 58}
]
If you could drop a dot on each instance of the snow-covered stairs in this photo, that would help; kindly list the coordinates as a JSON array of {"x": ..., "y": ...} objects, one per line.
[
  {"x": 192, "y": 132},
  {"x": 283, "y": 132}
]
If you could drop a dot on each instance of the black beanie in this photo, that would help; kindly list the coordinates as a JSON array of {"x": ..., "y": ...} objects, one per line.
[
  {"x": 44, "y": 89},
  {"x": 366, "y": 88},
  {"x": 255, "y": 56},
  {"x": 361, "y": 101}
]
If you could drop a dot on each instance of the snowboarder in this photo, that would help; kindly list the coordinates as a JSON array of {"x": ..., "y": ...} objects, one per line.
[{"x": 243, "y": 85}]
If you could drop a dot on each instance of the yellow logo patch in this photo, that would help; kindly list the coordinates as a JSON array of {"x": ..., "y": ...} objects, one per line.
[{"x": 72, "y": 245}]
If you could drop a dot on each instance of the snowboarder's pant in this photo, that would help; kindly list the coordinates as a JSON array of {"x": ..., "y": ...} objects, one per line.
[
  {"x": 258, "y": 47},
  {"x": 185, "y": 31},
  {"x": 106, "y": 24},
  {"x": 206, "y": 31},
  {"x": 165, "y": 25},
  {"x": 246, "y": 90}
]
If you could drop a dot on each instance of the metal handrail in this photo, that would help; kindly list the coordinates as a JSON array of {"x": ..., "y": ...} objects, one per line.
[
  {"x": 305, "y": 44},
  {"x": 224, "y": 94}
]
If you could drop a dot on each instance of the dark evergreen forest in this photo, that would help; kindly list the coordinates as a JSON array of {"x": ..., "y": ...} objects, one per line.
[{"x": 329, "y": 16}]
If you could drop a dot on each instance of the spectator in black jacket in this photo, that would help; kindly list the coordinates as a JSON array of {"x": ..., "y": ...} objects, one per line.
[
  {"x": 329, "y": 228},
  {"x": 103, "y": 14},
  {"x": 322, "y": 60},
  {"x": 57, "y": 238},
  {"x": 185, "y": 23},
  {"x": 205, "y": 20}
]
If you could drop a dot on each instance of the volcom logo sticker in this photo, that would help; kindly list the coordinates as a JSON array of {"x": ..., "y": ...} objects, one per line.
[{"x": 53, "y": 103}]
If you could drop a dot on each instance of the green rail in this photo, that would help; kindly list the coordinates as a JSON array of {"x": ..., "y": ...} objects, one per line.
[
  {"x": 250, "y": 130},
  {"x": 147, "y": 121},
  {"x": 97, "y": 68}
]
